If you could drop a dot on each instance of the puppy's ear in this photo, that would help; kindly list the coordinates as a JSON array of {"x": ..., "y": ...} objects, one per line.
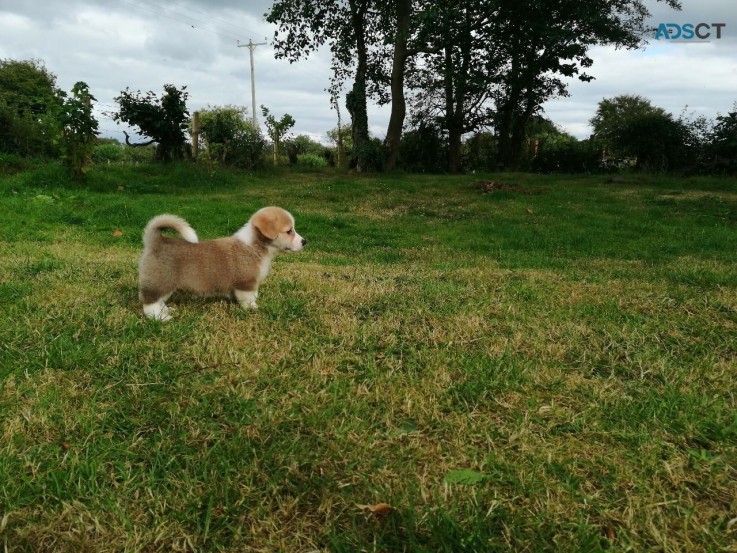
[{"x": 265, "y": 222}]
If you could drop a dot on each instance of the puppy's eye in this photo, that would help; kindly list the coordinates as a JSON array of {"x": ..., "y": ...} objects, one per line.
[{"x": 290, "y": 231}]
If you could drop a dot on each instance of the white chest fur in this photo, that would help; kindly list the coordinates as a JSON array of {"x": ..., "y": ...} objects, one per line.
[{"x": 248, "y": 236}]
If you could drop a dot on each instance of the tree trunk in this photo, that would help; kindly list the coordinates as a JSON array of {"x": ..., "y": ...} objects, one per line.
[
  {"x": 454, "y": 149},
  {"x": 456, "y": 87},
  {"x": 399, "y": 105},
  {"x": 452, "y": 123},
  {"x": 356, "y": 98},
  {"x": 504, "y": 131}
]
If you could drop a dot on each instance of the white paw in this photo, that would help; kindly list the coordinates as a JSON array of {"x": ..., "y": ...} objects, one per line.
[
  {"x": 157, "y": 312},
  {"x": 247, "y": 300}
]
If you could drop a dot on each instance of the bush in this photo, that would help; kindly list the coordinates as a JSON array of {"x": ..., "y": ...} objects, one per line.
[
  {"x": 424, "y": 150},
  {"x": 108, "y": 153},
  {"x": 11, "y": 164},
  {"x": 481, "y": 152},
  {"x": 631, "y": 127},
  {"x": 139, "y": 154},
  {"x": 723, "y": 146},
  {"x": 569, "y": 156},
  {"x": 312, "y": 161},
  {"x": 246, "y": 150},
  {"x": 302, "y": 144},
  {"x": 230, "y": 139},
  {"x": 115, "y": 152},
  {"x": 30, "y": 102},
  {"x": 373, "y": 155}
]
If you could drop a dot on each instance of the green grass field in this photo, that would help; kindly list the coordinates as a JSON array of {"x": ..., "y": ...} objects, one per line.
[{"x": 511, "y": 362}]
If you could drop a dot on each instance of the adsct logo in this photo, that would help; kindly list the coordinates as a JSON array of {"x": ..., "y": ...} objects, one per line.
[{"x": 690, "y": 32}]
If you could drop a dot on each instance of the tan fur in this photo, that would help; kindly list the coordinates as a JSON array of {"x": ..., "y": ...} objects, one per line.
[{"x": 232, "y": 266}]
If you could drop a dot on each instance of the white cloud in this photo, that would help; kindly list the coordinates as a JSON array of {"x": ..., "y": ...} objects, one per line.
[
  {"x": 672, "y": 76},
  {"x": 146, "y": 44}
]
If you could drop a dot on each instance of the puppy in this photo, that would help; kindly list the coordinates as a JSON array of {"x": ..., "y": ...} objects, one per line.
[{"x": 232, "y": 266}]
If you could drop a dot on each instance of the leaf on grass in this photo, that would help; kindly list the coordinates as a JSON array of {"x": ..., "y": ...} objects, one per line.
[
  {"x": 117, "y": 232},
  {"x": 406, "y": 427},
  {"x": 464, "y": 476},
  {"x": 378, "y": 509}
]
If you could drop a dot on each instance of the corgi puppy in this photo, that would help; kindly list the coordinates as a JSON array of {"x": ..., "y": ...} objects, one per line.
[{"x": 232, "y": 266}]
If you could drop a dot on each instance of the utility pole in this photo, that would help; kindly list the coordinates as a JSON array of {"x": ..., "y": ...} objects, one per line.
[{"x": 251, "y": 46}]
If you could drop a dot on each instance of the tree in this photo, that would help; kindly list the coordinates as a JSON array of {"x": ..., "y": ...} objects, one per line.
[
  {"x": 510, "y": 56},
  {"x": 230, "y": 137},
  {"x": 277, "y": 129},
  {"x": 724, "y": 142},
  {"x": 78, "y": 128},
  {"x": 348, "y": 27},
  {"x": 302, "y": 145},
  {"x": 547, "y": 41},
  {"x": 414, "y": 29},
  {"x": 163, "y": 120},
  {"x": 631, "y": 127},
  {"x": 29, "y": 100},
  {"x": 342, "y": 138},
  {"x": 453, "y": 85},
  {"x": 614, "y": 115}
]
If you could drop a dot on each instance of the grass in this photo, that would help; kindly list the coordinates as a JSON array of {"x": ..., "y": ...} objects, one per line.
[{"x": 544, "y": 366}]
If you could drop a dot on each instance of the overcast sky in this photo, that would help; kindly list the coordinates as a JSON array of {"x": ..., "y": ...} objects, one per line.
[{"x": 144, "y": 44}]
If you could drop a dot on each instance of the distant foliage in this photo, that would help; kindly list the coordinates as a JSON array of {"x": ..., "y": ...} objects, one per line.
[
  {"x": 630, "y": 127},
  {"x": 723, "y": 146},
  {"x": 569, "y": 156},
  {"x": 551, "y": 150},
  {"x": 424, "y": 149},
  {"x": 311, "y": 161},
  {"x": 114, "y": 152},
  {"x": 108, "y": 153},
  {"x": 372, "y": 156},
  {"x": 164, "y": 120},
  {"x": 78, "y": 129},
  {"x": 342, "y": 141},
  {"x": 29, "y": 102},
  {"x": 481, "y": 152},
  {"x": 230, "y": 138},
  {"x": 277, "y": 129},
  {"x": 301, "y": 145}
]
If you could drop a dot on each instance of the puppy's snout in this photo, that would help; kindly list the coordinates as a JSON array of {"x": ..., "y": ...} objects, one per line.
[{"x": 304, "y": 241}]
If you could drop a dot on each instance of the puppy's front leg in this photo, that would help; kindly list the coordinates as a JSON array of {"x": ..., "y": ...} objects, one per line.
[{"x": 247, "y": 299}]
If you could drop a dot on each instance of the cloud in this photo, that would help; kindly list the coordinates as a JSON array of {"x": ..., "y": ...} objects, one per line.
[
  {"x": 672, "y": 76},
  {"x": 144, "y": 44}
]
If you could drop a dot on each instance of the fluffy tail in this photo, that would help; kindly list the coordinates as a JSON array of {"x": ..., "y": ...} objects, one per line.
[{"x": 157, "y": 224}]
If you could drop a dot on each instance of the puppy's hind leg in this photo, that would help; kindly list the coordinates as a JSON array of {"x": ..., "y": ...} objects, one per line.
[
  {"x": 247, "y": 299},
  {"x": 155, "y": 308},
  {"x": 157, "y": 311}
]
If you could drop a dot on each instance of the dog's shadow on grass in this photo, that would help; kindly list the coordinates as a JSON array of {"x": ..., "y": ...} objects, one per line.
[
  {"x": 278, "y": 310},
  {"x": 128, "y": 295}
]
